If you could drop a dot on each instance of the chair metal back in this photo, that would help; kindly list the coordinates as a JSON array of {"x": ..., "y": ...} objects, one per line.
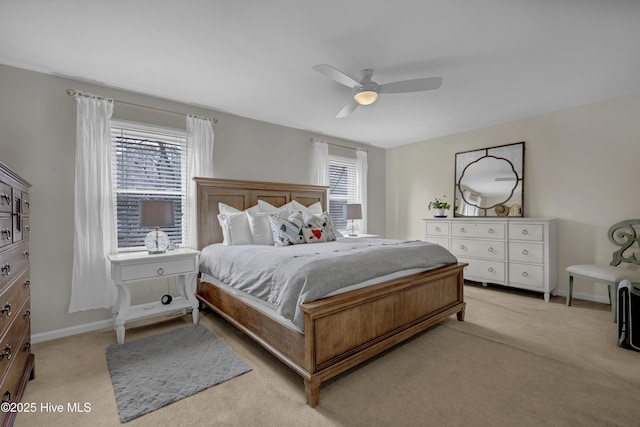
[{"x": 625, "y": 234}]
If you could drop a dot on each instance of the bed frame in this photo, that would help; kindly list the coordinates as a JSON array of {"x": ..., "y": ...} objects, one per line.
[{"x": 341, "y": 331}]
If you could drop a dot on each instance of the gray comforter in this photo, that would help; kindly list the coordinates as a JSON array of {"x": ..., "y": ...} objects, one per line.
[{"x": 291, "y": 275}]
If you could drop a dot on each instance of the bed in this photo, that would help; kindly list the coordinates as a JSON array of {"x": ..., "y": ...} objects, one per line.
[{"x": 339, "y": 331}]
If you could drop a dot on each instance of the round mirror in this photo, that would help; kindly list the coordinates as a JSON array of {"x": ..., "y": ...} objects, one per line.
[{"x": 488, "y": 182}]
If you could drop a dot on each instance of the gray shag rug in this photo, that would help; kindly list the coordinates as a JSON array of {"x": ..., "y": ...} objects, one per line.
[{"x": 150, "y": 373}]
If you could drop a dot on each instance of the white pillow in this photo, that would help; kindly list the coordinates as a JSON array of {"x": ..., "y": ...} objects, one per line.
[
  {"x": 285, "y": 210},
  {"x": 226, "y": 209},
  {"x": 235, "y": 228},
  {"x": 260, "y": 227},
  {"x": 315, "y": 208}
]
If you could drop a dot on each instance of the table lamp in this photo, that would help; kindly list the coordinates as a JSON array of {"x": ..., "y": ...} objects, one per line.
[
  {"x": 156, "y": 213},
  {"x": 351, "y": 213}
]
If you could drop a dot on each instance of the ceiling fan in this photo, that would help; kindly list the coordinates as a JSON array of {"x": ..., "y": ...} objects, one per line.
[{"x": 366, "y": 91}]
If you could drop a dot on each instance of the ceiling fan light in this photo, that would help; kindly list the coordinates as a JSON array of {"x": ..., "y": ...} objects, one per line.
[{"x": 366, "y": 97}]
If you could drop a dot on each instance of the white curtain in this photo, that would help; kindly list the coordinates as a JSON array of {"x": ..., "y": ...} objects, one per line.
[
  {"x": 199, "y": 164},
  {"x": 94, "y": 213},
  {"x": 361, "y": 185},
  {"x": 321, "y": 162}
]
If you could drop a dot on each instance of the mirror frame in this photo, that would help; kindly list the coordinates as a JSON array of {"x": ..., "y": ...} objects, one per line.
[{"x": 462, "y": 162}]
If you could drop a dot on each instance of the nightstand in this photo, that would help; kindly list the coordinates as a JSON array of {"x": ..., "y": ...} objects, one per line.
[{"x": 128, "y": 268}]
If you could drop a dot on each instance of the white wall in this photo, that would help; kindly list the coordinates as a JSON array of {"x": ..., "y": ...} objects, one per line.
[
  {"x": 37, "y": 140},
  {"x": 581, "y": 166}
]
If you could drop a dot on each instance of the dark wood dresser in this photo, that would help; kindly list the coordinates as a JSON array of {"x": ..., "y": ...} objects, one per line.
[{"x": 16, "y": 359}]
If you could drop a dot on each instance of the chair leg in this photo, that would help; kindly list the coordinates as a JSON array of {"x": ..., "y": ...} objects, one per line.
[
  {"x": 570, "y": 288},
  {"x": 613, "y": 299}
]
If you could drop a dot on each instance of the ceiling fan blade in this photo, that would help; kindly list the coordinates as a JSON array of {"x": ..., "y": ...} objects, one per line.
[
  {"x": 347, "y": 109},
  {"x": 417, "y": 85},
  {"x": 337, "y": 75}
]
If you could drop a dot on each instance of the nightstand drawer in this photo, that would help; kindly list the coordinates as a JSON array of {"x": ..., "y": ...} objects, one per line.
[{"x": 153, "y": 269}]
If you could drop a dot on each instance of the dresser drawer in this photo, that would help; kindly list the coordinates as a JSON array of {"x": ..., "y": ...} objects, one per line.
[
  {"x": 483, "y": 270},
  {"x": 492, "y": 249},
  {"x": 442, "y": 241},
  {"x": 13, "y": 262},
  {"x": 526, "y": 252},
  {"x": 533, "y": 232},
  {"x": 438, "y": 228},
  {"x": 158, "y": 269},
  {"x": 12, "y": 299},
  {"x": 489, "y": 230},
  {"x": 526, "y": 275},
  {"x": 10, "y": 341},
  {"x": 13, "y": 375},
  {"x": 6, "y": 196},
  {"x": 6, "y": 231}
]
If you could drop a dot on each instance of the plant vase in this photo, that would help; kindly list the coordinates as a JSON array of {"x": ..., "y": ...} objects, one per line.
[{"x": 439, "y": 212}]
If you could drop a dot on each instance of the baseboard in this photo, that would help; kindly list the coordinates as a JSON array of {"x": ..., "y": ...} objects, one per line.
[
  {"x": 73, "y": 330},
  {"x": 108, "y": 323}
]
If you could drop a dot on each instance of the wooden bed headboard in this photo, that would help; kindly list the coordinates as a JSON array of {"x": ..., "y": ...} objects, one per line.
[{"x": 242, "y": 195}]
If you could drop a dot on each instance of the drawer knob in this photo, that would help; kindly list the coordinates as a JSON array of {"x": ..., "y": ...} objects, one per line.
[
  {"x": 6, "y": 398},
  {"x": 525, "y": 232},
  {"x": 525, "y": 252},
  {"x": 28, "y": 203},
  {"x": 525, "y": 274},
  {"x": 6, "y": 233},
  {"x": 438, "y": 229},
  {"x": 6, "y": 269},
  {"x": 490, "y": 231},
  {"x": 160, "y": 271},
  {"x": 6, "y": 197},
  {"x": 27, "y": 314},
  {"x": 27, "y": 283},
  {"x": 462, "y": 229},
  {"x": 490, "y": 249},
  {"x": 6, "y": 353},
  {"x": 462, "y": 247},
  {"x": 6, "y": 309},
  {"x": 490, "y": 269},
  {"x": 27, "y": 346},
  {"x": 26, "y": 254}
]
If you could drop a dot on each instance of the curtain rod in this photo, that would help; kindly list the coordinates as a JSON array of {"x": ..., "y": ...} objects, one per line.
[
  {"x": 338, "y": 145},
  {"x": 73, "y": 92}
]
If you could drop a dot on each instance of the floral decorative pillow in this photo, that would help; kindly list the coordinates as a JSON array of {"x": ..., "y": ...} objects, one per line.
[
  {"x": 322, "y": 221},
  {"x": 314, "y": 235},
  {"x": 287, "y": 231}
]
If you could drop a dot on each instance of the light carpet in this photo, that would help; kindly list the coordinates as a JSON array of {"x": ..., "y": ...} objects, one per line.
[{"x": 150, "y": 373}]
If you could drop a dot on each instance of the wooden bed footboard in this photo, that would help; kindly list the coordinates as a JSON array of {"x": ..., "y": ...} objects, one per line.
[{"x": 345, "y": 330}]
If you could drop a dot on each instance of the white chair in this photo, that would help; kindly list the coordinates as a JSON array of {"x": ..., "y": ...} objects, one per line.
[{"x": 624, "y": 235}]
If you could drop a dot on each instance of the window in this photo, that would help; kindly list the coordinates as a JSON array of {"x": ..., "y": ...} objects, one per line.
[
  {"x": 148, "y": 163},
  {"x": 342, "y": 188}
]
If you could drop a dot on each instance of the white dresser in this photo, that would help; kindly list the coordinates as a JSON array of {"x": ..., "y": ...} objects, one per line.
[{"x": 517, "y": 252}]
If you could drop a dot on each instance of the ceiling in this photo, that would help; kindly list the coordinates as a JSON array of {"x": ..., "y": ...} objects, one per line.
[{"x": 500, "y": 60}]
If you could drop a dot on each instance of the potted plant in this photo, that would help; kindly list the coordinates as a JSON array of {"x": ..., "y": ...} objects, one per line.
[{"x": 439, "y": 205}]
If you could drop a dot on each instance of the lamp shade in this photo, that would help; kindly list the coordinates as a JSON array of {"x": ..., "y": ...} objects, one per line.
[
  {"x": 353, "y": 211},
  {"x": 156, "y": 213}
]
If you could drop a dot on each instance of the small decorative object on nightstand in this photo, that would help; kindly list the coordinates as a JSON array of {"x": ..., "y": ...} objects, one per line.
[
  {"x": 351, "y": 213},
  {"x": 156, "y": 213},
  {"x": 129, "y": 268}
]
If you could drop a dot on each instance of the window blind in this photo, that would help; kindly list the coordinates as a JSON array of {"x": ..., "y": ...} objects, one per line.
[
  {"x": 342, "y": 187},
  {"x": 148, "y": 163}
]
